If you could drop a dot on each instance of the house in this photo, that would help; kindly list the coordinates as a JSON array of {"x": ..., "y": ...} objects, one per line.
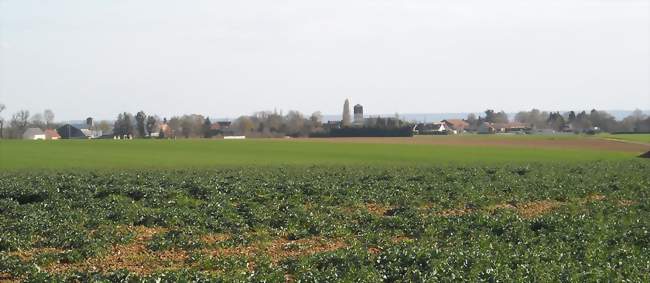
[
  {"x": 34, "y": 134},
  {"x": 512, "y": 127},
  {"x": 457, "y": 125},
  {"x": 224, "y": 125},
  {"x": 486, "y": 128},
  {"x": 494, "y": 128},
  {"x": 431, "y": 129},
  {"x": 332, "y": 125},
  {"x": 68, "y": 131},
  {"x": 51, "y": 134}
]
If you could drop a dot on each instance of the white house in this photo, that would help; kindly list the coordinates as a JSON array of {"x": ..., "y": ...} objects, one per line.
[{"x": 34, "y": 134}]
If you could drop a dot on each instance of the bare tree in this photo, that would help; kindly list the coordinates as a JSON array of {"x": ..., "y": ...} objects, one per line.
[
  {"x": 37, "y": 121},
  {"x": 175, "y": 126},
  {"x": 2, "y": 121},
  {"x": 295, "y": 125},
  {"x": 104, "y": 126},
  {"x": 19, "y": 122},
  {"x": 244, "y": 124},
  {"x": 49, "y": 117}
]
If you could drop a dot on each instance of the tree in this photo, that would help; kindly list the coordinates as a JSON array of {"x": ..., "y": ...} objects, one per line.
[
  {"x": 571, "y": 116},
  {"x": 556, "y": 121},
  {"x": 493, "y": 117},
  {"x": 37, "y": 121},
  {"x": 151, "y": 123},
  {"x": 104, "y": 126},
  {"x": 472, "y": 120},
  {"x": 207, "y": 126},
  {"x": 634, "y": 122},
  {"x": 140, "y": 120},
  {"x": 49, "y": 117},
  {"x": 244, "y": 124},
  {"x": 174, "y": 126},
  {"x": 2, "y": 121},
  {"x": 19, "y": 122},
  {"x": 123, "y": 125},
  {"x": 347, "y": 120}
]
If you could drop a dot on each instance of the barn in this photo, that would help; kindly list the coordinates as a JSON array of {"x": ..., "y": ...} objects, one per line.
[{"x": 68, "y": 131}]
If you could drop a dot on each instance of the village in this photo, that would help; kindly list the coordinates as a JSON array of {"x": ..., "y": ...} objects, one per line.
[{"x": 352, "y": 124}]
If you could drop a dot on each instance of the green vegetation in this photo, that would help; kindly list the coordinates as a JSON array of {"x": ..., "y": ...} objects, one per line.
[
  {"x": 540, "y": 222},
  {"x": 134, "y": 154},
  {"x": 645, "y": 138}
]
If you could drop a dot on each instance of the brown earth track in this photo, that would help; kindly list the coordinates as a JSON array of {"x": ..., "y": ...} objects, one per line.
[{"x": 495, "y": 141}]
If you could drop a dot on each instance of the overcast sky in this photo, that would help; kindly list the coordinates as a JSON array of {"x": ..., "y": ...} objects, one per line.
[{"x": 227, "y": 58}]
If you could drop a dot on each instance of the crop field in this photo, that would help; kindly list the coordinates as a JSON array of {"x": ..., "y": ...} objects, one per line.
[
  {"x": 419, "y": 151},
  {"x": 643, "y": 138},
  {"x": 421, "y": 210}
]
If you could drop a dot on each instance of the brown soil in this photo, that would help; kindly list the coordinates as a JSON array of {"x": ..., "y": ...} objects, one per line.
[
  {"x": 374, "y": 250},
  {"x": 134, "y": 257},
  {"x": 211, "y": 239},
  {"x": 536, "y": 208},
  {"x": 559, "y": 143},
  {"x": 29, "y": 254},
  {"x": 378, "y": 209},
  {"x": 454, "y": 212},
  {"x": 400, "y": 239},
  {"x": 626, "y": 202}
]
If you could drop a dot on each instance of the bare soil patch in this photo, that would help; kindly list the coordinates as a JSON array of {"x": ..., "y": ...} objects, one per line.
[
  {"x": 560, "y": 143},
  {"x": 536, "y": 208},
  {"x": 626, "y": 202},
  {"x": 378, "y": 209},
  {"x": 134, "y": 257},
  {"x": 137, "y": 258}
]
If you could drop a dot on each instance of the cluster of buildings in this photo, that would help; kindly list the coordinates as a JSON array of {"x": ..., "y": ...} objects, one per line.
[
  {"x": 444, "y": 127},
  {"x": 66, "y": 131},
  {"x": 459, "y": 126}
]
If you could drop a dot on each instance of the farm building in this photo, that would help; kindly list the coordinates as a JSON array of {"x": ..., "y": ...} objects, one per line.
[
  {"x": 494, "y": 128},
  {"x": 34, "y": 134},
  {"x": 512, "y": 127},
  {"x": 457, "y": 125},
  {"x": 431, "y": 129},
  {"x": 486, "y": 128},
  {"x": 51, "y": 134},
  {"x": 68, "y": 131}
]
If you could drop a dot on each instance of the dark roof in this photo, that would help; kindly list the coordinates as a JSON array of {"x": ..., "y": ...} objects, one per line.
[{"x": 68, "y": 131}]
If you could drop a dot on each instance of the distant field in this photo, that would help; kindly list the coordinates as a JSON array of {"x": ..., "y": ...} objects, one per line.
[
  {"x": 97, "y": 154},
  {"x": 645, "y": 138}
]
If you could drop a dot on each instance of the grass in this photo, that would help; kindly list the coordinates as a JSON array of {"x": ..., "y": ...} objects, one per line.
[
  {"x": 111, "y": 154},
  {"x": 643, "y": 138}
]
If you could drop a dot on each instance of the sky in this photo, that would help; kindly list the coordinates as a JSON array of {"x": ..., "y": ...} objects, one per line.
[{"x": 228, "y": 58}]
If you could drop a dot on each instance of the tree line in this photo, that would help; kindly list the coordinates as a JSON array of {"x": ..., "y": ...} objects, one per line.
[
  {"x": 573, "y": 121},
  {"x": 296, "y": 124}
]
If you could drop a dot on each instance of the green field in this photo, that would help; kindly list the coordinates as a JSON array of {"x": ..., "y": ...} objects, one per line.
[
  {"x": 325, "y": 211},
  {"x": 584, "y": 222},
  {"x": 643, "y": 138},
  {"x": 110, "y": 154}
]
